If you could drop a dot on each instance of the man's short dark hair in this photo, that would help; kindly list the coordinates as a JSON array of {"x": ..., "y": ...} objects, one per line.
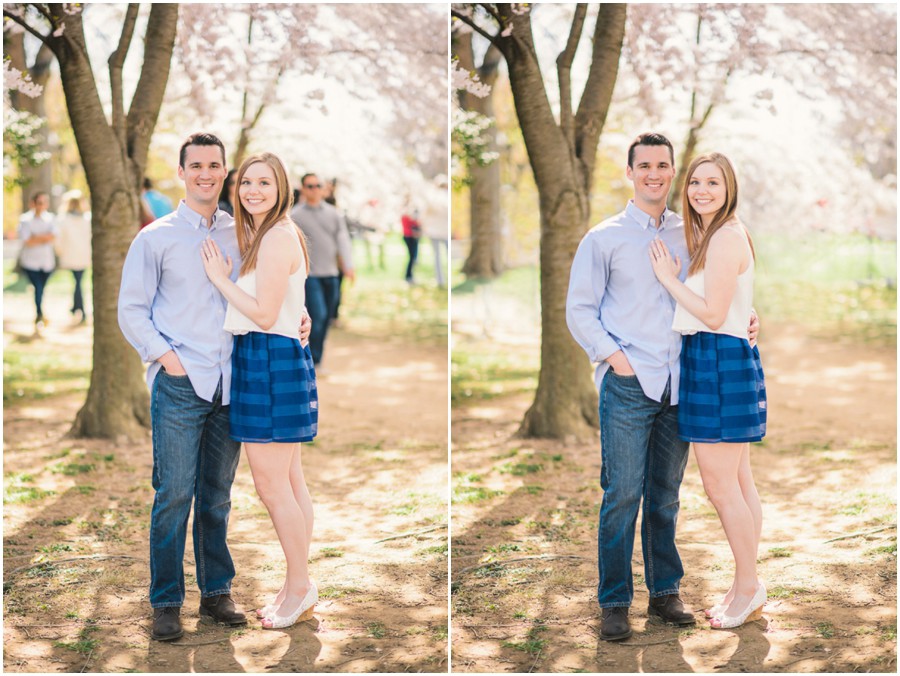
[
  {"x": 306, "y": 176},
  {"x": 148, "y": 184},
  {"x": 650, "y": 139},
  {"x": 35, "y": 195},
  {"x": 200, "y": 139}
]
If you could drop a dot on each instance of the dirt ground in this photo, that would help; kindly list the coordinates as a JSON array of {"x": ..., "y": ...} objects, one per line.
[
  {"x": 80, "y": 509},
  {"x": 827, "y": 477}
]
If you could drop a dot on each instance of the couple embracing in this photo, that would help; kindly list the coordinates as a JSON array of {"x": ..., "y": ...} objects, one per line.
[
  {"x": 662, "y": 303},
  {"x": 213, "y": 304}
]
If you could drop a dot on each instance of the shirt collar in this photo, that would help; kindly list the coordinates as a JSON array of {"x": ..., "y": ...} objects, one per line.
[
  {"x": 645, "y": 220},
  {"x": 197, "y": 221}
]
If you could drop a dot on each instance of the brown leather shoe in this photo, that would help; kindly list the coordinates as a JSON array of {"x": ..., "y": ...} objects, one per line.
[
  {"x": 221, "y": 609},
  {"x": 671, "y": 609},
  {"x": 614, "y": 624},
  {"x": 166, "y": 624}
]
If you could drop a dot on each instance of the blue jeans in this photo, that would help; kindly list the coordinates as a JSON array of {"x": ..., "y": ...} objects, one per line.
[
  {"x": 412, "y": 246},
  {"x": 194, "y": 460},
  {"x": 78, "y": 299},
  {"x": 38, "y": 279},
  {"x": 321, "y": 303},
  {"x": 643, "y": 459}
]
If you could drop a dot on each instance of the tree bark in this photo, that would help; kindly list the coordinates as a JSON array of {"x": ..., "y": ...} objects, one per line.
[
  {"x": 485, "y": 259},
  {"x": 40, "y": 177},
  {"x": 562, "y": 159},
  {"x": 117, "y": 402}
]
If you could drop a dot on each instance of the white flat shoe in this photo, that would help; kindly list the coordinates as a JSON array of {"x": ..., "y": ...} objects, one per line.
[
  {"x": 752, "y": 612},
  {"x": 304, "y": 611}
]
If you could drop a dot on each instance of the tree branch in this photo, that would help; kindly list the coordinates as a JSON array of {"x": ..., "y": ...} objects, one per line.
[
  {"x": 24, "y": 24},
  {"x": 148, "y": 95},
  {"x": 564, "y": 71},
  {"x": 116, "y": 62},
  {"x": 474, "y": 26},
  {"x": 608, "y": 36}
]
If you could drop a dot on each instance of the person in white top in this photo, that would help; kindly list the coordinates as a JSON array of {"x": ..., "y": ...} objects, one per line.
[
  {"x": 37, "y": 230},
  {"x": 722, "y": 397},
  {"x": 73, "y": 247},
  {"x": 274, "y": 401}
]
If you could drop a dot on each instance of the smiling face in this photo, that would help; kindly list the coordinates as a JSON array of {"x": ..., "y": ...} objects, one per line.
[
  {"x": 651, "y": 173},
  {"x": 258, "y": 191},
  {"x": 706, "y": 191},
  {"x": 203, "y": 174}
]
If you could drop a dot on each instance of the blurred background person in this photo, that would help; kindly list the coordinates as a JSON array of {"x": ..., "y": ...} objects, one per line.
[
  {"x": 37, "y": 231},
  {"x": 226, "y": 197},
  {"x": 159, "y": 204},
  {"x": 330, "y": 251},
  {"x": 73, "y": 246},
  {"x": 412, "y": 230},
  {"x": 436, "y": 226}
]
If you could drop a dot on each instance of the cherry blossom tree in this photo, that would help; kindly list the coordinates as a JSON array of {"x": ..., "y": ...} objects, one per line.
[
  {"x": 113, "y": 153},
  {"x": 476, "y": 126},
  {"x": 24, "y": 128},
  {"x": 844, "y": 53},
  {"x": 562, "y": 154},
  {"x": 259, "y": 53}
]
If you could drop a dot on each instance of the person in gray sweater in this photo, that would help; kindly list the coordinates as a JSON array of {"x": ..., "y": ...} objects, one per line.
[{"x": 330, "y": 254}]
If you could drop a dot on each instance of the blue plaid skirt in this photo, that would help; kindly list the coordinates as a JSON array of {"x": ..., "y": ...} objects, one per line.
[
  {"x": 722, "y": 396},
  {"x": 273, "y": 390}
]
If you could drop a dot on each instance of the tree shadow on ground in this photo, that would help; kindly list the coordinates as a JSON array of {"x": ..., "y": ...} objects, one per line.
[{"x": 824, "y": 472}]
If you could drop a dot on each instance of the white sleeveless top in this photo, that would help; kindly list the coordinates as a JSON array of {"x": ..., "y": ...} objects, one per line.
[
  {"x": 288, "y": 322},
  {"x": 738, "y": 318}
]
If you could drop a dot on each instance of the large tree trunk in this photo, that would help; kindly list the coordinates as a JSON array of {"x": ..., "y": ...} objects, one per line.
[
  {"x": 562, "y": 157},
  {"x": 40, "y": 177},
  {"x": 485, "y": 260},
  {"x": 114, "y": 157}
]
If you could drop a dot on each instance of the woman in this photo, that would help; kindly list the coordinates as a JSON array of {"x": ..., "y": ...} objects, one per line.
[
  {"x": 73, "y": 247},
  {"x": 226, "y": 197},
  {"x": 274, "y": 403},
  {"x": 37, "y": 231},
  {"x": 722, "y": 396}
]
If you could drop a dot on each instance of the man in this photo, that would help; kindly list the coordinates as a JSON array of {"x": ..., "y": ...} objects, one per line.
[
  {"x": 37, "y": 232},
  {"x": 173, "y": 316},
  {"x": 622, "y": 317},
  {"x": 329, "y": 253}
]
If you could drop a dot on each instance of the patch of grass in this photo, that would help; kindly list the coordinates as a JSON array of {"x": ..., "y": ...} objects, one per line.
[
  {"x": 436, "y": 549},
  {"x": 32, "y": 375},
  {"x": 470, "y": 494},
  {"x": 72, "y": 468},
  {"x": 55, "y": 547},
  {"x": 62, "y": 521},
  {"x": 520, "y": 468},
  {"x": 780, "y": 552},
  {"x": 23, "y": 494},
  {"x": 376, "y": 629},
  {"x": 85, "y": 489},
  {"x": 532, "y": 644},
  {"x": 440, "y": 633},
  {"x": 334, "y": 592},
  {"x": 885, "y": 549},
  {"x": 533, "y": 490},
  {"x": 482, "y": 375},
  {"x": 496, "y": 549},
  {"x": 466, "y": 478},
  {"x": 781, "y": 592},
  {"x": 331, "y": 553},
  {"x": 84, "y": 645},
  {"x": 825, "y": 629},
  {"x": 418, "y": 313},
  {"x": 889, "y": 634},
  {"x": 514, "y": 521}
]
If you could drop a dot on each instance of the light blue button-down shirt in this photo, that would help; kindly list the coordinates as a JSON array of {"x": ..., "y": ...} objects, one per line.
[
  {"x": 166, "y": 301},
  {"x": 615, "y": 301}
]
